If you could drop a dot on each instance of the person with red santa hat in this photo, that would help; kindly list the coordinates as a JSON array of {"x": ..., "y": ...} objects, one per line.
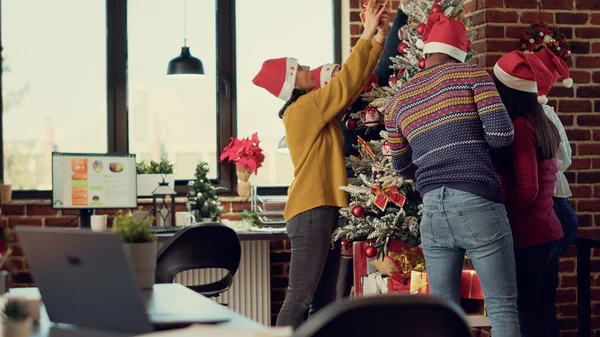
[
  {"x": 324, "y": 74},
  {"x": 441, "y": 126},
  {"x": 528, "y": 182},
  {"x": 315, "y": 143}
]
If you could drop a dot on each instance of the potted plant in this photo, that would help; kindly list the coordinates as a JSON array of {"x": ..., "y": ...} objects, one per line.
[
  {"x": 140, "y": 246},
  {"x": 16, "y": 319},
  {"x": 248, "y": 157},
  {"x": 202, "y": 198},
  {"x": 149, "y": 174}
]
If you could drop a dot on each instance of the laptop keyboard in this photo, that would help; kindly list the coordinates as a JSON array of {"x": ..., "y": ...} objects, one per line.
[{"x": 166, "y": 229}]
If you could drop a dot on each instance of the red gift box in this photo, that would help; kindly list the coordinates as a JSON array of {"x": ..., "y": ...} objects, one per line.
[{"x": 470, "y": 287}]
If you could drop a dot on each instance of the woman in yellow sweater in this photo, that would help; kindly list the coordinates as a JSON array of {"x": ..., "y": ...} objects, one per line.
[{"x": 315, "y": 142}]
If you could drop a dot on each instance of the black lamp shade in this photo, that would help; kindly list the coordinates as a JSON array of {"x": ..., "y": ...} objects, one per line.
[{"x": 185, "y": 64}]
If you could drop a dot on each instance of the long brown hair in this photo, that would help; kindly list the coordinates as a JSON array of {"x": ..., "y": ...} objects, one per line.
[{"x": 525, "y": 104}]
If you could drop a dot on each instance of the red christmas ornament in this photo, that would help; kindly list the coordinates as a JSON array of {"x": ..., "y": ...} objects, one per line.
[
  {"x": 402, "y": 47},
  {"x": 420, "y": 28},
  {"x": 346, "y": 248},
  {"x": 368, "y": 88},
  {"x": 393, "y": 79},
  {"x": 401, "y": 71},
  {"x": 351, "y": 124},
  {"x": 358, "y": 211},
  {"x": 370, "y": 117},
  {"x": 371, "y": 252},
  {"x": 386, "y": 149},
  {"x": 437, "y": 8},
  {"x": 422, "y": 63}
]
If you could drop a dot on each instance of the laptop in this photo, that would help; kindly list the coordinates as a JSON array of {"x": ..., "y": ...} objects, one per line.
[{"x": 84, "y": 279}]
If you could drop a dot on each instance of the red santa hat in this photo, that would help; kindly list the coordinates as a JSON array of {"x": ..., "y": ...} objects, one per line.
[
  {"x": 522, "y": 72},
  {"x": 559, "y": 69},
  {"x": 278, "y": 76},
  {"x": 323, "y": 74},
  {"x": 446, "y": 36}
]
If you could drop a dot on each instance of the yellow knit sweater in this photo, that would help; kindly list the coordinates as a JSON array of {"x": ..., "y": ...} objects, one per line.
[{"x": 314, "y": 138}]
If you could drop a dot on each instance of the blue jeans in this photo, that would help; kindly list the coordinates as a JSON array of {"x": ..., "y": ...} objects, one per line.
[{"x": 456, "y": 221}]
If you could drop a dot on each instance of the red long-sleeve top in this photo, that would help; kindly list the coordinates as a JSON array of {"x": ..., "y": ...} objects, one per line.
[{"x": 528, "y": 187}]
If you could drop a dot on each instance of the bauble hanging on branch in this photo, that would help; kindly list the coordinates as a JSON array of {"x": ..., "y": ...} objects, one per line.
[
  {"x": 351, "y": 124},
  {"x": 371, "y": 252},
  {"x": 358, "y": 211},
  {"x": 422, "y": 63},
  {"x": 402, "y": 48},
  {"x": 437, "y": 8},
  {"x": 420, "y": 28}
]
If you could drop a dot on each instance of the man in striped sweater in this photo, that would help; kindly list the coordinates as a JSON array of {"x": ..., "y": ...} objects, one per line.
[{"x": 441, "y": 126}]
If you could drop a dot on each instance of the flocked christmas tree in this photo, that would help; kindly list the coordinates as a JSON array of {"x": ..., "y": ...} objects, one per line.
[
  {"x": 202, "y": 198},
  {"x": 383, "y": 205}
]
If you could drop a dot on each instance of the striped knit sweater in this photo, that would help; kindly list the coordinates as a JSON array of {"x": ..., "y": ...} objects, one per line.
[{"x": 441, "y": 125}]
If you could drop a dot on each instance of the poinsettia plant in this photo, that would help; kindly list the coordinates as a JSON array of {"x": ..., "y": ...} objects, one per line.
[{"x": 245, "y": 152}]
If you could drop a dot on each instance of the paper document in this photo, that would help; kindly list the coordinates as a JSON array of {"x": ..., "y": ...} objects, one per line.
[{"x": 198, "y": 330}]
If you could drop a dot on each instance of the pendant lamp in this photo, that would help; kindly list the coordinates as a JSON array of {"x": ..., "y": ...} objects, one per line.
[{"x": 185, "y": 64}]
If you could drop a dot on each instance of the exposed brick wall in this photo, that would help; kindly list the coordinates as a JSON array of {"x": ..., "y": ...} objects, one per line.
[{"x": 499, "y": 23}]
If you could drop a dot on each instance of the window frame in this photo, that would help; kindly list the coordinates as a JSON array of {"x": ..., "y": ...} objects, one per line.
[{"x": 117, "y": 86}]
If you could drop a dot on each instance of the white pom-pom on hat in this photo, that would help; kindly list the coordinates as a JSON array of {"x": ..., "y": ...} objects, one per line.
[
  {"x": 542, "y": 99},
  {"x": 420, "y": 44},
  {"x": 567, "y": 82}
]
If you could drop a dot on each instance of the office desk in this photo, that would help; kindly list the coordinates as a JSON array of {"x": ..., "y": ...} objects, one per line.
[
  {"x": 250, "y": 293},
  {"x": 188, "y": 299},
  {"x": 584, "y": 242}
]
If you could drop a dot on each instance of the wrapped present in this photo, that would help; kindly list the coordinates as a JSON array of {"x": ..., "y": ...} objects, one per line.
[{"x": 470, "y": 287}]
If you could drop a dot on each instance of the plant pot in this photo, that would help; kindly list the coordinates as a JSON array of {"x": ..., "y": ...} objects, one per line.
[
  {"x": 17, "y": 328},
  {"x": 243, "y": 187},
  {"x": 142, "y": 260},
  {"x": 5, "y": 192},
  {"x": 146, "y": 183}
]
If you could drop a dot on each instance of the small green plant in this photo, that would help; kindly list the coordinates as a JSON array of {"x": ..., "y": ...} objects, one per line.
[
  {"x": 154, "y": 167},
  {"x": 202, "y": 198},
  {"x": 15, "y": 310},
  {"x": 251, "y": 218},
  {"x": 133, "y": 230}
]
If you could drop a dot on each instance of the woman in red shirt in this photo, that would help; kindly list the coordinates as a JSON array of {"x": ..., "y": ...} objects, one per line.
[{"x": 528, "y": 180}]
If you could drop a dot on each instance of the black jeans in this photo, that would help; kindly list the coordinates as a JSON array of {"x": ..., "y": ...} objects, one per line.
[
  {"x": 568, "y": 220},
  {"x": 314, "y": 265},
  {"x": 537, "y": 270}
]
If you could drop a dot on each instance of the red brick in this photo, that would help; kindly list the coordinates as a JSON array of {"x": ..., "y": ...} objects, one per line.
[
  {"x": 567, "y": 324},
  {"x": 579, "y": 47},
  {"x": 596, "y": 162},
  {"x": 561, "y": 92},
  {"x": 566, "y": 105},
  {"x": 13, "y": 210},
  {"x": 585, "y": 220},
  {"x": 570, "y": 252},
  {"x": 568, "y": 310},
  {"x": 25, "y": 221},
  {"x": 579, "y": 134},
  {"x": 501, "y": 16},
  {"x": 588, "y": 4},
  {"x": 520, "y": 4},
  {"x": 470, "y": 6},
  {"x": 490, "y": 3},
  {"x": 62, "y": 222},
  {"x": 587, "y": 32},
  {"x": 479, "y": 46},
  {"x": 589, "y": 120},
  {"x": 491, "y": 60},
  {"x": 580, "y": 164},
  {"x": 580, "y": 191},
  {"x": 571, "y": 18},
  {"x": 477, "y": 19},
  {"x": 571, "y": 177},
  {"x": 588, "y": 205},
  {"x": 531, "y": 17},
  {"x": 588, "y": 62},
  {"x": 557, "y": 4},
  {"x": 597, "y": 106},
  {"x": 596, "y": 191},
  {"x": 566, "y": 120},
  {"x": 515, "y": 32},
  {"x": 230, "y": 216},
  {"x": 18, "y": 263},
  {"x": 565, "y": 296},
  {"x": 595, "y": 19},
  {"x": 108, "y": 211},
  {"x": 40, "y": 210},
  {"x": 580, "y": 76},
  {"x": 490, "y": 31},
  {"x": 591, "y": 177},
  {"x": 596, "y": 77},
  {"x": 503, "y": 46},
  {"x": 596, "y": 134},
  {"x": 567, "y": 31},
  {"x": 566, "y": 266},
  {"x": 596, "y": 47},
  {"x": 355, "y": 29},
  {"x": 588, "y": 149},
  {"x": 240, "y": 206}
]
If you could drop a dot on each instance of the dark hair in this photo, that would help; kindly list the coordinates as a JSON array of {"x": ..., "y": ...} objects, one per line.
[
  {"x": 295, "y": 95},
  {"x": 525, "y": 104}
]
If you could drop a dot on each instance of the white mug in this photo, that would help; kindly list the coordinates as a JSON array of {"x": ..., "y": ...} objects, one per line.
[
  {"x": 184, "y": 218},
  {"x": 98, "y": 223}
]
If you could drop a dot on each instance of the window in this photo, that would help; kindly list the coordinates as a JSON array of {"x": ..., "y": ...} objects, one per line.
[
  {"x": 53, "y": 85},
  {"x": 306, "y": 34},
  {"x": 172, "y": 117}
]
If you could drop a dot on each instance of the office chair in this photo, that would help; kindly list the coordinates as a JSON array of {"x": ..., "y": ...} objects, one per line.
[
  {"x": 387, "y": 315},
  {"x": 207, "y": 245}
]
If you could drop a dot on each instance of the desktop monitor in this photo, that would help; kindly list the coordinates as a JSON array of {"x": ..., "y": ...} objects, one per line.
[{"x": 88, "y": 181}]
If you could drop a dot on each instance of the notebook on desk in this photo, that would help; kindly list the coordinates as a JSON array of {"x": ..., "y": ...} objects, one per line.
[{"x": 85, "y": 280}]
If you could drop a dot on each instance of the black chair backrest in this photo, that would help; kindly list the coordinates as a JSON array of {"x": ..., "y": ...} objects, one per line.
[
  {"x": 207, "y": 245},
  {"x": 387, "y": 315}
]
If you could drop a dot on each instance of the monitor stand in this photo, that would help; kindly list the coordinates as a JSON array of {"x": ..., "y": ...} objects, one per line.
[{"x": 85, "y": 216}]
